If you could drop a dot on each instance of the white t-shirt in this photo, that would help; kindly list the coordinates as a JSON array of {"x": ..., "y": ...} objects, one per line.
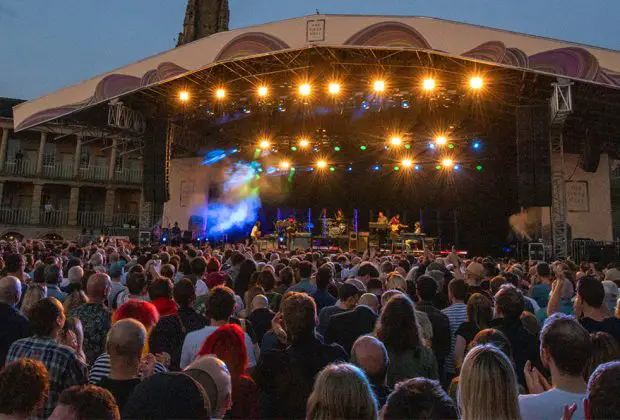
[
  {"x": 194, "y": 341},
  {"x": 550, "y": 405},
  {"x": 254, "y": 231}
]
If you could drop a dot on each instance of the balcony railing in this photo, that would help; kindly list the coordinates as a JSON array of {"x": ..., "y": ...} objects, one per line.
[
  {"x": 57, "y": 170},
  {"x": 122, "y": 219},
  {"x": 96, "y": 173},
  {"x": 54, "y": 217},
  {"x": 90, "y": 219},
  {"x": 133, "y": 176},
  {"x": 20, "y": 167},
  {"x": 14, "y": 216}
]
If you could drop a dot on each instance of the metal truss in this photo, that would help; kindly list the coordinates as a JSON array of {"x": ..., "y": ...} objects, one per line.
[
  {"x": 561, "y": 107},
  {"x": 120, "y": 116}
]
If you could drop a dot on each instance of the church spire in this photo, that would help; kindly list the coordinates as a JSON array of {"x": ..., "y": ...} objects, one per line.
[{"x": 204, "y": 18}]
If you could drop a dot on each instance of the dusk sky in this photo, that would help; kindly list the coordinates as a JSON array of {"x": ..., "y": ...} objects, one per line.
[{"x": 49, "y": 44}]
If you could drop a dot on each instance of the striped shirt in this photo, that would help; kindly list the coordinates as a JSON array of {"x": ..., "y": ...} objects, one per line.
[
  {"x": 101, "y": 369},
  {"x": 457, "y": 314}
]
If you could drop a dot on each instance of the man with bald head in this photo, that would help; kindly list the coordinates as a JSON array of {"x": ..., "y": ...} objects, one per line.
[
  {"x": 213, "y": 375},
  {"x": 125, "y": 344},
  {"x": 370, "y": 355},
  {"x": 95, "y": 316},
  {"x": 14, "y": 324},
  {"x": 261, "y": 316}
]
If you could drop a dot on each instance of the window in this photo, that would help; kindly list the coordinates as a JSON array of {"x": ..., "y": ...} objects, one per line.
[
  {"x": 84, "y": 158},
  {"x": 14, "y": 147},
  {"x": 118, "y": 165},
  {"x": 49, "y": 155}
]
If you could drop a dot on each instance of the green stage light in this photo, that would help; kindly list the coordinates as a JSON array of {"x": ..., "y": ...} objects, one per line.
[
  {"x": 450, "y": 146},
  {"x": 332, "y": 169},
  {"x": 337, "y": 148},
  {"x": 294, "y": 148},
  {"x": 479, "y": 167},
  {"x": 407, "y": 146},
  {"x": 363, "y": 147},
  {"x": 438, "y": 167},
  {"x": 396, "y": 168}
]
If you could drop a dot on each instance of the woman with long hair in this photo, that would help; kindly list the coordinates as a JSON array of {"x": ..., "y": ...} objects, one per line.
[
  {"x": 35, "y": 292},
  {"x": 242, "y": 283},
  {"x": 399, "y": 330},
  {"x": 341, "y": 391},
  {"x": 228, "y": 344},
  {"x": 488, "y": 386},
  {"x": 479, "y": 315},
  {"x": 75, "y": 299},
  {"x": 605, "y": 349},
  {"x": 72, "y": 335}
]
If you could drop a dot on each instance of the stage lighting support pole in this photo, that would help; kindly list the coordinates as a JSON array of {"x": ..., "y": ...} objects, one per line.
[{"x": 561, "y": 107}]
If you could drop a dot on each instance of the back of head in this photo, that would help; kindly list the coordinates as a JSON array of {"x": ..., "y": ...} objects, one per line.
[
  {"x": 126, "y": 340},
  {"x": 567, "y": 343},
  {"x": 543, "y": 270},
  {"x": 488, "y": 385},
  {"x": 323, "y": 277},
  {"x": 184, "y": 293},
  {"x": 221, "y": 303},
  {"x": 371, "y": 356},
  {"x": 44, "y": 316},
  {"x": 591, "y": 291},
  {"x": 228, "y": 344},
  {"x": 341, "y": 391},
  {"x": 168, "y": 396},
  {"x": 305, "y": 269},
  {"x": 458, "y": 289},
  {"x": 259, "y": 302},
  {"x": 213, "y": 375},
  {"x": 419, "y": 398},
  {"x": 370, "y": 300},
  {"x": 267, "y": 280},
  {"x": 85, "y": 402},
  {"x": 23, "y": 387},
  {"x": 394, "y": 281},
  {"x": 75, "y": 274},
  {"x": 368, "y": 269},
  {"x": 97, "y": 286},
  {"x": 495, "y": 338},
  {"x": 14, "y": 262},
  {"x": 161, "y": 288},
  {"x": 144, "y": 312},
  {"x": 299, "y": 313},
  {"x": 213, "y": 265},
  {"x": 198, "y": 266},
  {"x": 397, "y": 327},
  {"x": 509, "y": 302},
  {"x": 479, "y": 310},
  {"x": 496, "y": 283},
  {"x": 136, "y": 282},
  {"x": 53, "y": 275},
  {"x": 426, "y": 287},
  {"x": 605, "y": 348},
  {"x": 603, "y": 395},
  {"x": 10, "y": 290}
]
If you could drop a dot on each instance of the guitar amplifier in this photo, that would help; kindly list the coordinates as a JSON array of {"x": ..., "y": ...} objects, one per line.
[{"x": 358, "y": 241}]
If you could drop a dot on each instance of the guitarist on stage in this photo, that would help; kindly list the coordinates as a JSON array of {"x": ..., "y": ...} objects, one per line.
[{"x": 255, "y": 234}]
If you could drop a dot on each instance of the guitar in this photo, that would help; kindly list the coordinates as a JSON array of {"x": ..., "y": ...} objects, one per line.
[{"x": 396, "y": 228}]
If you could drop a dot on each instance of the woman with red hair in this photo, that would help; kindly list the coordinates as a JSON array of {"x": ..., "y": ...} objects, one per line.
[
  {"x": 213, "y": 276},
  {"x": 228, "y": 344}
]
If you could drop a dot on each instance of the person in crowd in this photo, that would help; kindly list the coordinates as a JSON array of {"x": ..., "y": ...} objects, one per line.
[
  {"x": 366, "y": 272},
  {"x": 64, "y": 368},
  {"x": 34, "y": 293},
  {"x": 348, "y": 295},
  {"x": 125, "y": 346},
  {"x": 227, "y": 343},
  {"x": 541, "y": 284},
  {"x": 342, "y": 391},
  {"x": 116, "y": 287},
  {"x": 479, "y": 316},
  {"x": 136, "y": 288},
  {"x": 286, "y": 278},
  {"x": 95, "y": 316},
  {"x": 13, "y": 325},
  {"x": 85, "y": 402},
  {"x": 344, "y": 328},
  {"x": 604, "y": 348},
  {"x": 564, "y": 350},
  {"x": 170, "y": 332},
  {"x": 509, "y": 305},
  {"x": 235, "y": 261},
  {"x": 530, "y": 323},
  {"x": 160, "y": 294},
  {"x": 602, "y": 400},
  {"x": 591, "y": 310},
  {"x": 221, "y": 305},
  {"x": 72, "y": 335},
  {"x": 260, "y": 316},
  {"x": 213, "y": 375},
  {"x": 242, "y": 282},
  {"x": 322, "y": 297},
  {"x": 398, "y": 329},
  {"x": 74, "y": 278},
  {"x": 488, "y": 386},
  {"x": 474, "y": 276},
  {"x": 370, "y": 355},
  {"x": 267, "y": 280},
  {"x": 24, "y": 387},
  {"x": 213, "y": 275},
  {"x": 426, "y": 290},
  {"x": 304, "y": 356},
  {"x": 74, "y": 300},
  {"x": 53, "y": 278},
  {"x": 419, "y": 398},
  {"x": 457, "y": 315},
  {"x": 305, "y": 285}
]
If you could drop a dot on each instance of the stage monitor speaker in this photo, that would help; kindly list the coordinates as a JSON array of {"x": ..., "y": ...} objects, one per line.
[
  {"x": 533, "y": 156},
  {"x": 302, "y": 242},
  {"x": 156, "y": 160},
  {"x": 590, "y": 153},
  {"x": 358, "y": 241}
]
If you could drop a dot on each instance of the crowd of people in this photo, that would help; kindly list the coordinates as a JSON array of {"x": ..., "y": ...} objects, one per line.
[{"x": 114, "y": 330}]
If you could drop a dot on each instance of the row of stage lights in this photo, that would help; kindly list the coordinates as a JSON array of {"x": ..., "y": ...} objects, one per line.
[
  {"x": 305, "y": 89},
  {"x": 405, "y": 164}
]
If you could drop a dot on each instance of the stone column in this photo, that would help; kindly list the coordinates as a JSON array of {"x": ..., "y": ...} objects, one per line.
[
  {"x": 3, "y": 146},
  {"x": 74, "y": 200},
  {"x": 77, "y": 157},
  {"x": 35, "y": 207},
  {"x": 41, "y": 153},
  {"x": 112, "y": 161},
  {"x": 108, "y": 209}
]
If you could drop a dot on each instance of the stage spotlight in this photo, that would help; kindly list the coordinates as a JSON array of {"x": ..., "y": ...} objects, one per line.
[
  {"x": 379, "y": 86},
  {"x": 350, "y": 169},
  {"x": 428, "y": 84},
  {"x": 264, "y": 144},
  {"x": 476, "y": 145},
  {"x": 450, "y": 146},
  {"x": 263, "y": 91},
  {"x": 407, "y": 163},
  {"x": 294, "y": 148},
  {"x": 476, "y": 82},
  {"x": 363, "y": 147},
  {"x": 183, "y": 96},
  {"x": 447, "y": 163},
  {"x": 479, "y": 167},
  {"x": 337, "y": 148},
  {"x": 417, "y": 167},
  {"x": 305, "y": 89},
  {"x": 220, "y": 93},
  {"x": 304, "y": 143},
  {"x": 441, "y": 140},
  {"x": 396, "y": 168},
  {"x": 332, "y": 169},
  {"x": 407, "y": 146},
  {"x": 457, "y": 167},
  {"x": 438, "y": 167},
  {"x": 376, "y": 168},
  {"x": 334, "y": 88},
  {"x": 396, "y": 141},
  {"x": 321, "y": 164},
  {"x": 285, "y": 165}
]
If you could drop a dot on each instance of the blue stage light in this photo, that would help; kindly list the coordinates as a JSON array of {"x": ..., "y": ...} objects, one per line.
[
  {"x": 417, "y": 167},
  {"x": 457, "y": 167},
  {"x": 405, "y": 104},
  {"x": 376, "y": 168},
  {"x": 431, "y": 146},
  {"x": 164, "y": 239},
  {"x": 350, "y": 169},
  {"x": 477, "y": 145}
]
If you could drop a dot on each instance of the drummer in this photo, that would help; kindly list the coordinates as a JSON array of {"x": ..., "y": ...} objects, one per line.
[{"x": 339, "y": 216}]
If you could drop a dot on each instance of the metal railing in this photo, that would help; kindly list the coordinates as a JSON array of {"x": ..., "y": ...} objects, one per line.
[
  {"x": 57, "y": 170},
  {"x": 90, "y": 219},
  {"x": 122, "y": 219},
  {"x": 133, "y": 176},
  {"x": 14, "y": 216},
  {"x": 20, "y": 167},
  {"x": 54, "y": 217},
  {"x": 96, "y": 173}
]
